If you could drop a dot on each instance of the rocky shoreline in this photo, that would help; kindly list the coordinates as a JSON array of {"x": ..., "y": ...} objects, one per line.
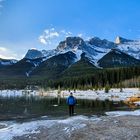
[{"x": 83, "y": 128}]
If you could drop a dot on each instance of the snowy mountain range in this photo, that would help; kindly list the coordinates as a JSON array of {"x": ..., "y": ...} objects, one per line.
[
  {"x": 100, "y": 53},
  {"x": 94, "y": 49}
]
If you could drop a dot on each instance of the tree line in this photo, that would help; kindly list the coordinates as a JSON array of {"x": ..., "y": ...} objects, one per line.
[{"x": 113, "y": 77}]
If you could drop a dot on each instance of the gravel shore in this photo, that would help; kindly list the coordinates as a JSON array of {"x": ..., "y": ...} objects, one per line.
[{"x": 83, "y": 128}]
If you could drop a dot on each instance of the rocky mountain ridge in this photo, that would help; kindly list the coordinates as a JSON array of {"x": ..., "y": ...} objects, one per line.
[{"x": 99, "y": 53}]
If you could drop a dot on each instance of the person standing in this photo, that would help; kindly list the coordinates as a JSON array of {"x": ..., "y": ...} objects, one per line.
[{"x": 71, "y": 101}]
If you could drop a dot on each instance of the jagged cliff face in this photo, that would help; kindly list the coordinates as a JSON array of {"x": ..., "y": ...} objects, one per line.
[
  {"x": 73, "y": 42},
  {"x": 33, "y": 54},
  {"x": 102, "y": 43},
  {"x": 70, "y": 43},
  {"x": 94, "y": 49}
]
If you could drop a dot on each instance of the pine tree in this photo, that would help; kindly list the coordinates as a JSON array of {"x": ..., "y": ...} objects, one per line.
[{"x": 107, "y": 88}]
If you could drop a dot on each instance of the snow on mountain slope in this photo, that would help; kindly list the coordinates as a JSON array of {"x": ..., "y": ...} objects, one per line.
[
  {"x": 117, "y": 58},
  {"x": 44, "y": 54},
  {"x": 131, "y": 47},
  {"x": 94, "y": 49},
  {"x": 6, "y": 62},
  {"x": 49, "y": 53},
  {"x": 97, "y": 52}
]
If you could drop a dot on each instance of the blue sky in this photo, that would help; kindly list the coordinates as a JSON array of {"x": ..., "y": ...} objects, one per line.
[{"x": 41, "y": 24}]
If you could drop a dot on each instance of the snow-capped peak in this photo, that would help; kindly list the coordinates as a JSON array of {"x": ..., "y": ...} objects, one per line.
[
  {"x": 117, "y": 41},
  {"x": 70, "y": 43},
  {"x": 33, "y": 54},
  {"x": 94, "y": 49},
  {"x": 121, "y": 40}
]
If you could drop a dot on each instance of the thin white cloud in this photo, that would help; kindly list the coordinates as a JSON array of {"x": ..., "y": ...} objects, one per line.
[
  {"x": 7, "y": 54},
  {"x": 48, "y": 36},
  {"x": 6, "y": 57},
  {"x": 3, "y": 49},
  {"x": 17, "y": 50},
  {"x": 42, "y": 40},
  {"x": 66, "y": 33},
  {"x": 51, "y": 37}
]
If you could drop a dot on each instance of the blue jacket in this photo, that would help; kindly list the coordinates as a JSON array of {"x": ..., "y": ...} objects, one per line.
[{"x": 71, "y": 100}]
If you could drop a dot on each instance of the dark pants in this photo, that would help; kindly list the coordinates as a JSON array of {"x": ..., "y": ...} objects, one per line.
[{"x": 71, "y": 110}]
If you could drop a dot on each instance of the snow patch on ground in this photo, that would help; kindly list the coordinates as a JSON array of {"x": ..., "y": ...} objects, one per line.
[
  {"x": 112, "y": 95},
  {"x": 13, "y": 129},
  {"x": 73, "y": 119},
  {"x": 19, "y": 129},
  {"x": 18, "y": 93},
  {"x": 123, "y": 113},
  {"x": 73, "y": 124}
]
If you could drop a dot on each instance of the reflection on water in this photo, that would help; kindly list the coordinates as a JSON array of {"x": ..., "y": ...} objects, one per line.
[{"x": 32, "y": 107}]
